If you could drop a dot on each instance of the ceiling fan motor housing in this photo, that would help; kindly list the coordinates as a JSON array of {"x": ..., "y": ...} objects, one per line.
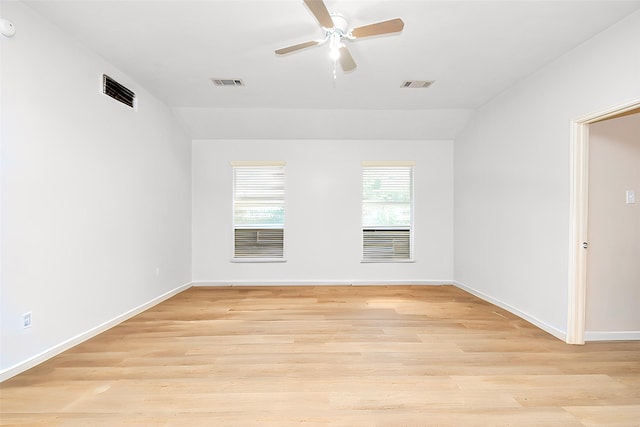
[{"x": 340, "y": 25}]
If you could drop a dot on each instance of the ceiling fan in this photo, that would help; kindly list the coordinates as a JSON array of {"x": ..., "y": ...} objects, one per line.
[{"x": 336, "y": 30}]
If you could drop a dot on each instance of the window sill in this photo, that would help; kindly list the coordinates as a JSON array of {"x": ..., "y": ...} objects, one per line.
[
  {"x": 377, "y": 261},
  {"x": 257, "y": 260}
]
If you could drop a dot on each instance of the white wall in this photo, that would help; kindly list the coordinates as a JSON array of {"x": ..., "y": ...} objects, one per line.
[
  {"x": 323, "y": 211},
  {"x": 319, "y": 124},
  {"x": 613, "y": 258},
  {"x": 95, "y": 196},
  {"x": 512, "y": 175}
]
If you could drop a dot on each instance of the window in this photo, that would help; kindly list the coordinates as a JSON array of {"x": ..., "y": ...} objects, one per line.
[
  {"x": 387, "y": 211},
  {"x": 258, "y": 210}
]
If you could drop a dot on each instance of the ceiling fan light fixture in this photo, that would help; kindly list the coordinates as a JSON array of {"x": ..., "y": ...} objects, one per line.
[
  {"x": 334, "y": 54},
  {"x": 334, "y": 46}
]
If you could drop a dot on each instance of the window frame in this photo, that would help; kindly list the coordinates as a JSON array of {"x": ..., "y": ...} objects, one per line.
[
  {"x": 234, "y": 227},
  {"x": 411, "y": 227}
]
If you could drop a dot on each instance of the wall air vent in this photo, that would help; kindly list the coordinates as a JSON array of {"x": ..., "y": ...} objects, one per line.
[
  {"x": 414, "y": 84},
  {"x": 228, "y": 82},
  {"x": 118, "y": 92}
]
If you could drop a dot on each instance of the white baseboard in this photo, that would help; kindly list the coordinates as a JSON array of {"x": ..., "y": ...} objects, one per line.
[
  {"x": 612, "y": 335},
  {"x": 66, "y": 345},
  {"x": 322, "y": 283},
  {"x": 562, "y": 335}
]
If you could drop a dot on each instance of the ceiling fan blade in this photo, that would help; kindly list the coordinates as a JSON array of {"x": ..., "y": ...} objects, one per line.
[
  {"x": 346, "y": 60},
  {"x": 295, "y": 47},
  {"x": 384, "y": 27},
  {"x": 319, "y": 10}
]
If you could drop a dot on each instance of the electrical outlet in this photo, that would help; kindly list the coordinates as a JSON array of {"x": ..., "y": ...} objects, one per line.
[
  {"x": 26, "y": 320},
  {"x": 631, "y": 197}
]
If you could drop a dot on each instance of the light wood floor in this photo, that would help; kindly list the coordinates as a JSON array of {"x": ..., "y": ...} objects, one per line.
[{"x": 339, "y": 356}]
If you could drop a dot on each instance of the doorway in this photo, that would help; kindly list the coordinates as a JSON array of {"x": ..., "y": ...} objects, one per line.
[{"x": 579, "y": 209}]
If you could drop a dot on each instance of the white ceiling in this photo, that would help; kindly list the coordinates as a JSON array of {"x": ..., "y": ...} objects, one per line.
[{"x": 472, "y": 49}]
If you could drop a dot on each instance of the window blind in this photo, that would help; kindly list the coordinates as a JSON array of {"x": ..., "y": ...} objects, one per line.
[
  {"x": 387, "y": 208},
  {"x": 386, "y": 244},
  {"x": 258, "y": 210}
]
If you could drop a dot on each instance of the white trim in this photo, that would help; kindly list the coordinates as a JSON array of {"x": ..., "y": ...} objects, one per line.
[
  {"x": 610, "y": 112},
  {"x": 402, "y": 283},
  {"x": 612, "y": 336},
  {"x": 227, "y": 283},
  {"x": 529, "y": 318},
  {"x": 578, "y": 217},
  {"x": 578, "y": 209},
  {"x": 388, "y": 163},
  {"x": 71, "y": 342},
  {"x": 258, "y": 260},
  {"x": 251, "y": 163}
]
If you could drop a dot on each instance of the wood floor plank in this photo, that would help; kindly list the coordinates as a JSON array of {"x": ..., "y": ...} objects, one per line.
[
  {"x": 611, "y": 415},
  {"x": 328, "y": 356}
]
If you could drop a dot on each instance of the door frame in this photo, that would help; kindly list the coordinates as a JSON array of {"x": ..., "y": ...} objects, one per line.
[{"x": 578, "y": 212}]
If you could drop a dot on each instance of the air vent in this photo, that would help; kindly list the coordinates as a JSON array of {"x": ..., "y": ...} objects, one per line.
[
  {"x": 118, "y": 92},
  {"x": 414, "y": 84},
  {"x": 228, "y": 82}
]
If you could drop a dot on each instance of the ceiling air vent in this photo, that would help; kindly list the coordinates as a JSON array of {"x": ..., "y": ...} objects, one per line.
[
  {"x": 118, "y": 92},
  {"x": 228, "y": 82},
  {"x": 414, "y": 84}
]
